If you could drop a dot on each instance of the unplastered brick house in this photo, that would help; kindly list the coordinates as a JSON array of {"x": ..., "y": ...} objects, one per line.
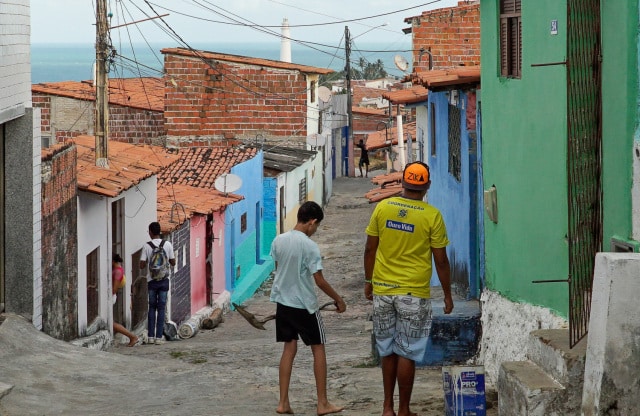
[
  {"x": 447, "y": 37},
  {"x": 212, "y": 96}
]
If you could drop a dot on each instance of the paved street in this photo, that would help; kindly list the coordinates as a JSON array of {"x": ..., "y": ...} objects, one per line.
[{"x": 231, "y": 370}]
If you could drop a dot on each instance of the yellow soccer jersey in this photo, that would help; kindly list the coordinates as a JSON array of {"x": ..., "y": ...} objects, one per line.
[{"x": 407, "y": 230}]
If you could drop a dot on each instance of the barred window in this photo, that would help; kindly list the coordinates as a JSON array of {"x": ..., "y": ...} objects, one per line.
[
  {"x": 302, "y": 190},
  {"x": 454, "y": 141},
  {"x": 510, "y": 38}
]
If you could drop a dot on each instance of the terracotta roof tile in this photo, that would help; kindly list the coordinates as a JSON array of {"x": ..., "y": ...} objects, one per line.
[
  {"x": 200, "y": 166},
  {"x": 378, "y": 139},
  {"x": 49, "y": 152},
  {"x": 447, "y": 77},
  {"x": 129, "y": 164},
  {"x": 142, "y": 93},
  {"x": 247, "y": 60},
  {"x": 389, "y": 186},
  {"x": 176, "y": 203},
  {"x": 415, "y": 94}
]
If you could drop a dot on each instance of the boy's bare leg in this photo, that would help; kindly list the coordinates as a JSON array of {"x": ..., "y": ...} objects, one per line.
[
  {"x": 406, "y": 375},
  {"x": 320, "y": 372},
  {"x": 286, "y": 365},
  {"x": 389, "y": 375},
  {"x": 133, "y": 339}
]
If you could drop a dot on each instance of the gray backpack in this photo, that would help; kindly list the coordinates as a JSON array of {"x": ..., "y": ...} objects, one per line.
[{"x": 158, "y": 262}]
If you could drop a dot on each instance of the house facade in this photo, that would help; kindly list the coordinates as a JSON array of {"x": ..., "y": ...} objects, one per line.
[
  {"x": 559, "y": 152},
  {"x": 115, "y": 206}
]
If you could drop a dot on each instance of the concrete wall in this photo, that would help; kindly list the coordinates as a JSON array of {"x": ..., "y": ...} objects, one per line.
[
  {"x": 179, "y": 306},
  {"x": 611, "y": 380},
  {"x": 456, "y": 199},
  {"x": 524, "y": 154},
  {"x": 22, "y": 222},
  {"x": 198, "y": 262}
]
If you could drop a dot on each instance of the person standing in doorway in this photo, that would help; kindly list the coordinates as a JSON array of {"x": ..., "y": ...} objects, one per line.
[
  {"x": 117, "y": 282},
  {"x": 298, "y": 268},
  {"x": 403, "y": 236},
  {"x": 364, "y": 158},
  {"x": 157, "y": 258}
]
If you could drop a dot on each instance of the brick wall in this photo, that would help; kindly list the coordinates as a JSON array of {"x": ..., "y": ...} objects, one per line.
[
  {"x": 66, "y": 118},
  {"x": 59, "y": 243},
  {"x": 181, "y": 280},
  {"x": 452, "y": 33},
  {"x": 233, "y": 99}
]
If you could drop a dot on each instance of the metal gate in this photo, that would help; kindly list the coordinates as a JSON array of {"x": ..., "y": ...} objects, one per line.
[{"x": 584, "y": 144}]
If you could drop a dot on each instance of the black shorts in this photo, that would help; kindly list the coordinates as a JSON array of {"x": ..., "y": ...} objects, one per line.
[{"x": 294, "y": 322}]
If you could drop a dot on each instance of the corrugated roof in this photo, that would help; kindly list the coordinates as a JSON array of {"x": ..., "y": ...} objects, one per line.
[
  {"x": 142, "y": 93},
  {"x": 177, "y": 203},
  {"x": 246, "y": 60},
  {"x": 200, "y": 166},
  {"x": 415, "y": 94},
  {"x": 442, "y": 78},
  {"x": 378, "y": 139},
  {"x": 286, "y": 159},
  {"x": 129, "y": 164}
]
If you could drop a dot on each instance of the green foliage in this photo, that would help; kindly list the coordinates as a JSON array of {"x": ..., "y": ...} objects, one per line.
[{"x": 363, "y": 70}]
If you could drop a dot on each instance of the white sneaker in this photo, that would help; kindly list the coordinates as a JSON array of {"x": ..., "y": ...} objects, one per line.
[
  {"x": 151, "y": 341},
  {"x": 159, "y": 341}
]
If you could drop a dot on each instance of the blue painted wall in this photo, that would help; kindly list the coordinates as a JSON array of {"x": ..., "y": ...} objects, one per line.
[
  {"x": 245, "y": 273},
  {"x": 270, "y": 214},
  {"x": 456, "y": 199}
]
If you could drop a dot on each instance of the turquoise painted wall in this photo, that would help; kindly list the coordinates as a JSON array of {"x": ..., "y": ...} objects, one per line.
[
  {"x": 270, "y": 217},
  {"x": 524, "y": 156},
  {"x": 253, "y": 271},
  {"x": 619, "y": 113}
]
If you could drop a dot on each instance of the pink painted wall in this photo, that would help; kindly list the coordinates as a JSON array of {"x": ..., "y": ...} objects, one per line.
[
  {"x": 218, "y": 254},
  {"x": 198, "y": 256}
]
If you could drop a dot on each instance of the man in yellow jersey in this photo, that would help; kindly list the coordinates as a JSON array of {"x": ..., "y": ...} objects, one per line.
[{"x": 403, "y": 235}]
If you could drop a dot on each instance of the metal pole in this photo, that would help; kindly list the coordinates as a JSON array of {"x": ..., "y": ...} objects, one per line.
[
  {"x": 349, "y": 141},
  {"x": 102, "y": 99}
]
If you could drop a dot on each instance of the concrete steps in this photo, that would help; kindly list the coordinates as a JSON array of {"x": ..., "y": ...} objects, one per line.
[{"x": 549, "y": 382}]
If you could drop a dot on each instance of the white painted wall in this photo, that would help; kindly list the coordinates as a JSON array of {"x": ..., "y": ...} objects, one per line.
[
  {"x": 505, "y": 330},
  {"x": 612, "y": 361},
  {"x": 15, "y": 63},
  {"x": 313, "y": 108},
  {"x": 94, "y": 230}
]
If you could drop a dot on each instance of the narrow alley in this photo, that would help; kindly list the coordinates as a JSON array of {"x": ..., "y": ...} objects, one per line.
[{"x": 231, "y": 370}]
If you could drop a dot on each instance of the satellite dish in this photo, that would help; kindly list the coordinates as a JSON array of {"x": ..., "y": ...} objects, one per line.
[
  {"x": 315, "y": 140},
  {"x": 401, "y": 63},
  {"x": 227, "y": 182},
  {"x": 324, "y": 94}
]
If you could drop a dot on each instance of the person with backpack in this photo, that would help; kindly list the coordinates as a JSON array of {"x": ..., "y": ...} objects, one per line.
[{"x": 158, "y": 258}]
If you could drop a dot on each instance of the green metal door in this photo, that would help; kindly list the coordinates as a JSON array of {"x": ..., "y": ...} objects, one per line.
[{"x": 583, "y": 157}]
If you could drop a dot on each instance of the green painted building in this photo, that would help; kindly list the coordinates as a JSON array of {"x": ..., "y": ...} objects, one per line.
[{"x": 559, "y": 113}]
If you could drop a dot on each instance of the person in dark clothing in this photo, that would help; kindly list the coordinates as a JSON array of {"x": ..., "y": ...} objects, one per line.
[{"x": 364, "y": 158}]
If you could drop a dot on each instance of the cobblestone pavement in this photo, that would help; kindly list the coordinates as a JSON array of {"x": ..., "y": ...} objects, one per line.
[{"x": 232, "y": 369}]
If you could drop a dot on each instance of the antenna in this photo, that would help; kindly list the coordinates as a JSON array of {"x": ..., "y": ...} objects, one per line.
[
  {"x": 324, "y": 94},
  {"x": 227, "y": 182},
  {"x": 401, "y": 63}
]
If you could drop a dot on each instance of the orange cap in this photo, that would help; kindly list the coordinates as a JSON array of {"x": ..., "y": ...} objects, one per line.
[{"x": 416, "y": 176}]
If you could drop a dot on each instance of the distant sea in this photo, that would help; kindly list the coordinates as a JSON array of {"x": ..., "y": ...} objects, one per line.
[{"x": 74, "y": 62}]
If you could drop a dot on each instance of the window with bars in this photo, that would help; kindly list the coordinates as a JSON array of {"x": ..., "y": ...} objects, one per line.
[
  {"x": 455, "y": 148},
  {"x": 510, "y": 38},
  {"x": 433, "y": 129},
  {"x": 243, "y": 222},
  {"x": 302, "y": 190}
]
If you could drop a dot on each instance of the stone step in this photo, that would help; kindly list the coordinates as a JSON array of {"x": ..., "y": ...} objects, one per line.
[
  {"x": 549, "y": 349},
  {"x": 5, "y": 389},
  {"x": 526, "y": 390}
]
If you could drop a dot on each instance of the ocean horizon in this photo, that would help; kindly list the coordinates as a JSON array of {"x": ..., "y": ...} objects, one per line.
[{"x": 54, "y": 62}]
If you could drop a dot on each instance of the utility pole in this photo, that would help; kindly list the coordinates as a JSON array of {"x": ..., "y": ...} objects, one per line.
[
  {"x": 101, "y": 130},
  {"x": 349, "y": 141}
]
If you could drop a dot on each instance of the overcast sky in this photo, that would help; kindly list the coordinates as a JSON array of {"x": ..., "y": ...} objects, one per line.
[{"x": 72, "y": 21}]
